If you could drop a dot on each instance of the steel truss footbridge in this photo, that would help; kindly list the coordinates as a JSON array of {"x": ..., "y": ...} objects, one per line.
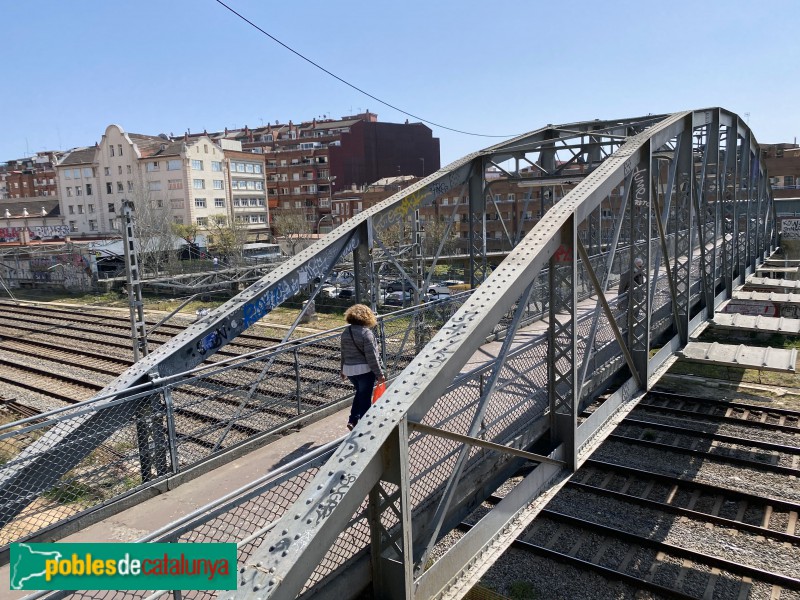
[{"x": 501, "y": 383}]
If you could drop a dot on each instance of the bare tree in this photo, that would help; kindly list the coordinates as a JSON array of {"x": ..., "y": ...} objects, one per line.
[
  {"x": 226, "y": 238},
  {"x": 152, "y": 226},
  {"x": 293, "y": 227}
]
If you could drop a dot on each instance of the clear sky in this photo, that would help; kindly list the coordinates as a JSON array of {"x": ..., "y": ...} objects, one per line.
[{"x": 72, "y": 67}]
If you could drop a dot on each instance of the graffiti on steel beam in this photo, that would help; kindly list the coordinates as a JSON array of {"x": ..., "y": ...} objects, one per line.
[
  {"x": 639, "y": 189},
  {"x": 318, "y": 265},
  {"x": 563, "y": 254},
  {"x": 420, "y": 198},
  {"x": 258, "y": 308},
  {"x": 213, "y": 340}
]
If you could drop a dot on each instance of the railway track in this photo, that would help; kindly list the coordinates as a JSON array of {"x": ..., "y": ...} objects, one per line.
[{"x": 674, "y": 510}]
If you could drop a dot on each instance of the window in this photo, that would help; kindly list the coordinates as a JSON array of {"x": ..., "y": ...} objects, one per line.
[
  {"x": 199, "y": 184},
  {"x": 109, "y": 188},
  {"x": 130, "y": 186},
  {"x": 76, "y": 173},
  {"x": 174, "y": 165},
  {"x": 219, "y": 202},
  {"x": 154, "y": 186},
  {"x": 257, "y": 169},
  {"x": 90, "y": 207},
  {"x": 259, "y": 185},
  {"x": 236, "y": 202},
  {"x": 92, "y": 225},
  {"x": 119, "y": 147},
  {"x": 295, "y": 176},
  {"x": 298, "y": 204},
  {"x": 160, "y": 203},
  {"x": 111, "y": 207},
  {"x": 175, "y": 184},
  {"x": 239, "y": 167},
  {"x": 111, "y": 224},
  {"x": 253, "y": 218},
  {"x": 296, "y": 190},
  {"x": 511, "y": 197},
  {"x": 111, "y": 149},
  {"x": 87, "y": 171},
  {"x": 200, "y": 202},
  {"x": 69, "y": 192},
  {"x": 119, "y": 187},
  {"x": 177, "y": 220},
  {"x": 119, "y": 170},
  {"x": 205, "y": 148},
  {"x": 73, "y": 226},
  {"x": 88, "y": 189},
  {"x": 260, "y": 202},
  {"x": 80, "y": 209},
  {"x": 106, "y": 171},
  {"x": 78, "y": 190},
  {"x": 216, "y": 165},
  {"x": 152, "y": 166},
  {"x": 788, "y": 181},
  {"x": 202, "y": 221},
  {"x": 176, "y": 203},
  {"x": 129, "y": 169},
  {"x": 71, "y": 209},
  {"x": 218, "y": 184},
  {"x": 249, "y": 168},
  {"x": 253, "y": 201},
  {"x": 68, "y": 174},
  {"x": 197, "y": 165},
  {"x": 262, "y": 218}
]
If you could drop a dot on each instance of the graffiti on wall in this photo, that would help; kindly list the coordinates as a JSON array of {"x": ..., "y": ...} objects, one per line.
[
  {"x": 37, "y": 232},
  {"x": 790, "y": 229}
]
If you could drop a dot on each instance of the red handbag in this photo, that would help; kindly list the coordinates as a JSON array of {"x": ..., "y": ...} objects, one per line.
[{"x": 378, "y": 391}]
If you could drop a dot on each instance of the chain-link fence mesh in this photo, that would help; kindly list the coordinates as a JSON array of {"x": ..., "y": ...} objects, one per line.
[{"x": 186, "y": 421}]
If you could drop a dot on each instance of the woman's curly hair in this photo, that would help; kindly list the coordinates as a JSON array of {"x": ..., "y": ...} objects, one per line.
[{"x": 360, "y": 314}]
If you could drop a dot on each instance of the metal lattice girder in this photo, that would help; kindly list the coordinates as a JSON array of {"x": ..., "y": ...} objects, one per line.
[
  {"x": 302, "y": 537},
  {"x": 28, "y": 477}
]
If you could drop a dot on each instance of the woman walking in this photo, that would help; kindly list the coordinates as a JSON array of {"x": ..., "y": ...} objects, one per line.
[{"x": 360, "y": 359}]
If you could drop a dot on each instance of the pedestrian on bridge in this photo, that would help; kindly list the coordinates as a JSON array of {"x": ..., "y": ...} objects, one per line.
[
  {"x": 360, "y": 359},
  {"x": 635, "y": 274}
]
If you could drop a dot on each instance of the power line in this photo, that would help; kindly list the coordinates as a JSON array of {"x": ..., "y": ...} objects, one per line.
[{"x": 355, "y": 87}]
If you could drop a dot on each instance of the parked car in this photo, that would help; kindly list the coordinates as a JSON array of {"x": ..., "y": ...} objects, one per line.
[
  {"x": 347, "y": 294},
  {"x": 399, "y": 285},
  {"x": 437, "y": 294},
  {"x": 450, "y": 282},
  {"x": 398, "y": 299}
]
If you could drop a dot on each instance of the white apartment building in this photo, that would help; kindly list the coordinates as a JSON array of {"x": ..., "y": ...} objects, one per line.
[
  {"x": 248, "y": 190},
  {"x": 184, "y": 178},
  {"x": 76, "y": 178}
]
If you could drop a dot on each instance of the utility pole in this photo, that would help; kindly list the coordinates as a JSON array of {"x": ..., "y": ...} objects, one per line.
[{"x": 138, "y": 327}]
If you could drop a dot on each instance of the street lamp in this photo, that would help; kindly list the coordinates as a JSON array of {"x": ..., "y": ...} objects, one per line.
[{"x": 321, "y": 219}]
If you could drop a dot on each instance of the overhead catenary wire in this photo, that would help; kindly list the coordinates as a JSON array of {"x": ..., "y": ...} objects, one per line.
[{"x": 355, "y": 87}]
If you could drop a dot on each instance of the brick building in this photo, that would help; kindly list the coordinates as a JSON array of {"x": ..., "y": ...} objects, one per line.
[
  {"x": 783, "y": 166},
  {"x": 307, "y": 163},
  {"x": 33, "y": 177}
]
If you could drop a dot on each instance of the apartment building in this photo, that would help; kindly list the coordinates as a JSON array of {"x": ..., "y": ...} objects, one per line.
[
  {"x": 76, "y": 180},
  {"x": 307, "y": 163},
  {"x": 182, "y": 181},
  {"x": 29, "y": 177},
  {"x": 783, "y": 166},
  {"x": 248, "y": 190}
]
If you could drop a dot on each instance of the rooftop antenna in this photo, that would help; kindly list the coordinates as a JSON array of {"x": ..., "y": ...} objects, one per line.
[{"x": 747, "y": 118}]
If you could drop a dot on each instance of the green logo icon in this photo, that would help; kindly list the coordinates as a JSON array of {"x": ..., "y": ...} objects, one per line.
[{"x": 123, "y": 566}]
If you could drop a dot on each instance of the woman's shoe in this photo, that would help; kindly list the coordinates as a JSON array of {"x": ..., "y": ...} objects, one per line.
[{"x": 350, "y": 426}]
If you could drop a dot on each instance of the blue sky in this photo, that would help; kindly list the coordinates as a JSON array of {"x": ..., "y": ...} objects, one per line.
[{"x": 72, "y": 67}]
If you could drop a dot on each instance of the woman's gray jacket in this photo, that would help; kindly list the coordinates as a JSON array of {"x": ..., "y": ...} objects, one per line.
[{"x": 361, "y": 348}]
